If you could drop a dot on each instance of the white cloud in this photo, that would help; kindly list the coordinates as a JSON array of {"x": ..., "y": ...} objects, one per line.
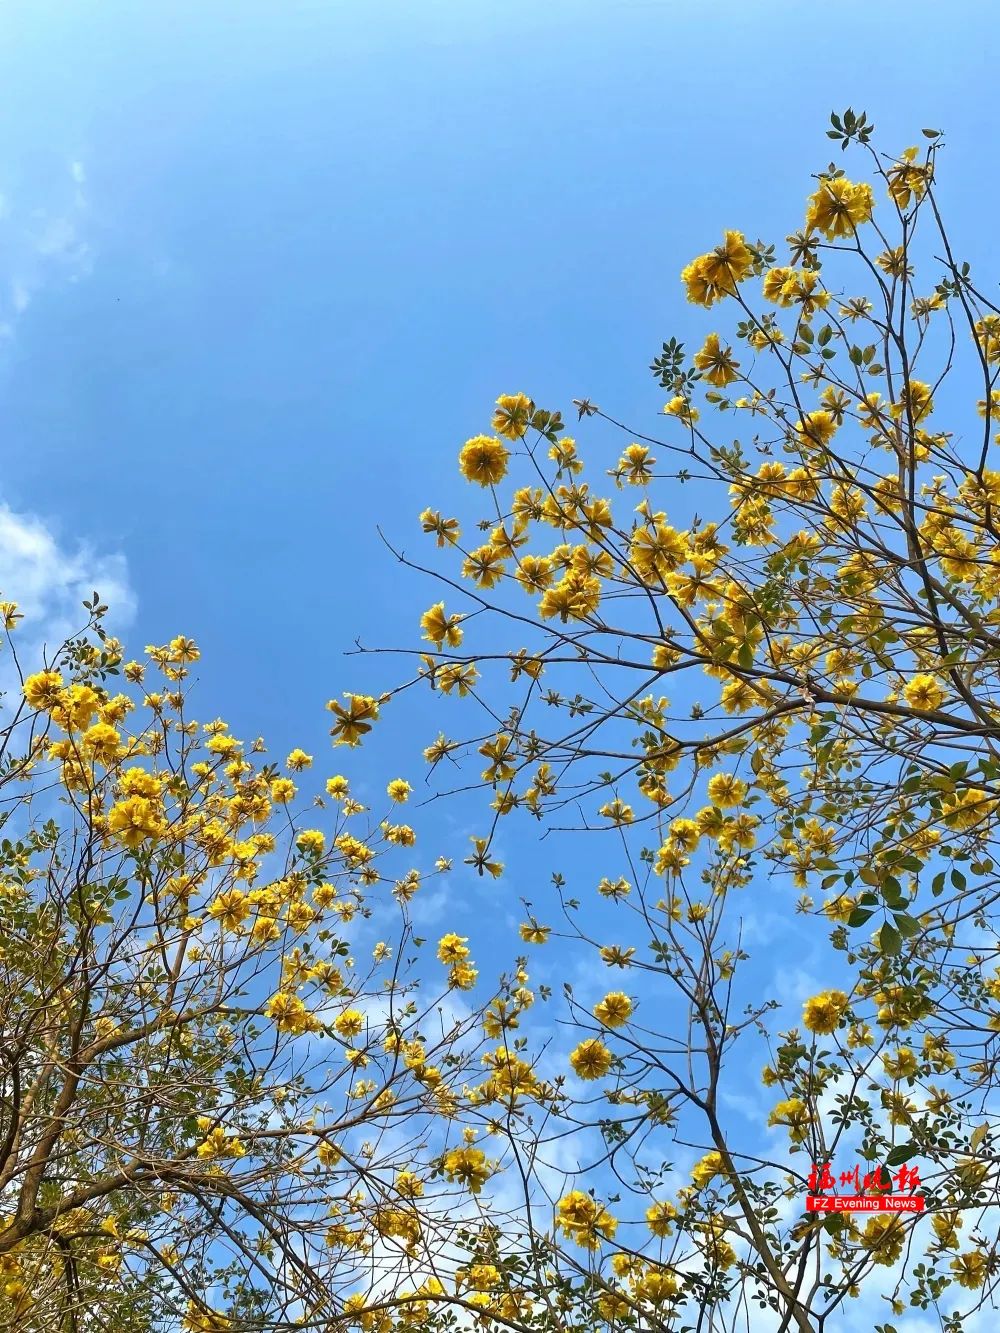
[
  {"x": 429, "y": 907},
  {"x": 49, "y": 580},
  {"x": 43, "y": 243}
]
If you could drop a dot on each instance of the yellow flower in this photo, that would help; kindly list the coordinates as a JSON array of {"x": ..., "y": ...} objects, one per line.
[
  {"x": 483, "y": 459},
  {"x": 512, "y": 415},
  {"x": 408, "y": 1185},
  {"x": 398, "y": 790},
  {"x": 816, "y": 427},
  {"x": 298, "y": 760},
  {"x": 311, "y": 841},
  {"x": 75, "y": 707},
  {"x": 223, "y": 745},
  {"x": 903, "y": 1064},
  {"x": 684, "y": 834},
  {"x": 230, "y": 909},
  {"x": 614, "y": 1010},
  {"x": 446, "y": 529},
  {"x": 328, "y": 1154},
  {"x": 840, "y": 908},
  {"x": 716, "y": 362},
  {"x": 946, "y": 1226},
  {"x": 636, "y": 464},
  {"x": 355, "y": 720},
  {"x": 839, "y": 207},
  {"x": 591, "y": 1059},
  {"x": 101, "y": 742},
  {"x": 467, "y": 1166},
  {"x": 218, "y": 1144},
  {"x": 794, "y": 1114},
  {"x": 136, "y": 781},
  {"x": 463, "y": 976},
  {"x": 452, "y": 948},
  {"x": 705, "y": 1171},
  {"x": 283, "y": 790},
  {"x": 584, "y": 1219},
  {"x": 289, "y": 1014},
  {"x": 657, "y": 551},
  {"x": 915, "y": 400},
  {"x": 534, "y": 934},
  {"x": 200, "y": 1319},
  {"x": 725, "y": 790},
  {"x": 883, "y": 1238},
  {"x": 777, "y": 282},
  {"x": 183, "y": 649},
  {"x": 349, "y": 1023},
  {"x": 987, "y": 334},
  {"x": 970, "y": 1269},
  {"x": 441, "y": 629},
  {"x": 657, "y": 1287},
  {"x": 967, "y": 808},
  {"x": 618, "y": 812},
  {"x": 712, "y": 276},
  {"x": 822, "y": 1014},
  {"x": 42, "y": 689},
  {"x": 907, "y": 181},
  {"x": 136, "y": 820},
  {"x": 923, "y": 692},
  {"x": 682, "y": 409},
  {"x": 614, "y": 956},
  {"x": 659, "y": 1218}
]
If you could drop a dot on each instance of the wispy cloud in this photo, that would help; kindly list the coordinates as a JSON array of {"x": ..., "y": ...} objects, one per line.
[
  {"x": 49, "y": 580},
  {"x": 43, "y": 243}
]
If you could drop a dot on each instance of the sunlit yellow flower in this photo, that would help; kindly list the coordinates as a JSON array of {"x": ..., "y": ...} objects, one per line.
[
  {"x": 822, "y": 1014},
  {"x": 614, "y": 1010},
  {"x": 591, "y": 1059},
  {"x": 483, "y": 459}
]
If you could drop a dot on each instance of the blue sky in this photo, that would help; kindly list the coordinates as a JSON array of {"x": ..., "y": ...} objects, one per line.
[
  {"x": 319, "y": 238},
  {"x": 265, "y": 266}
]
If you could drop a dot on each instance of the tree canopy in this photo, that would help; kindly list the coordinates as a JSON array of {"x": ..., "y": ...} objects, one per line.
[{"x": 751, "y": 659}]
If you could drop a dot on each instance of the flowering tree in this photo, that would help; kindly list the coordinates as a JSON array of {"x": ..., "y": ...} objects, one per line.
[
  {"x": 829, "y": 638},
  {"x": 214, "y": 1113},
  {"x": 238, "y": 1092}
]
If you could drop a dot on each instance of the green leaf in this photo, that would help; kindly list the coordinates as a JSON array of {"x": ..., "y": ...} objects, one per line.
[
  {"x": 892, "y": 890},
  {"x": 858, "y": 917},
  {"x": 901, "y": 1154},
  {"x": 907, "y": 925},
  {"x": 889, "y": 939}
]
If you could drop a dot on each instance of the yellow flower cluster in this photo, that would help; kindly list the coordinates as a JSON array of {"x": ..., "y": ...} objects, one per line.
[
  {"x": 585, "y": 1220},
  {"x": 822, "y": 1014}
]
